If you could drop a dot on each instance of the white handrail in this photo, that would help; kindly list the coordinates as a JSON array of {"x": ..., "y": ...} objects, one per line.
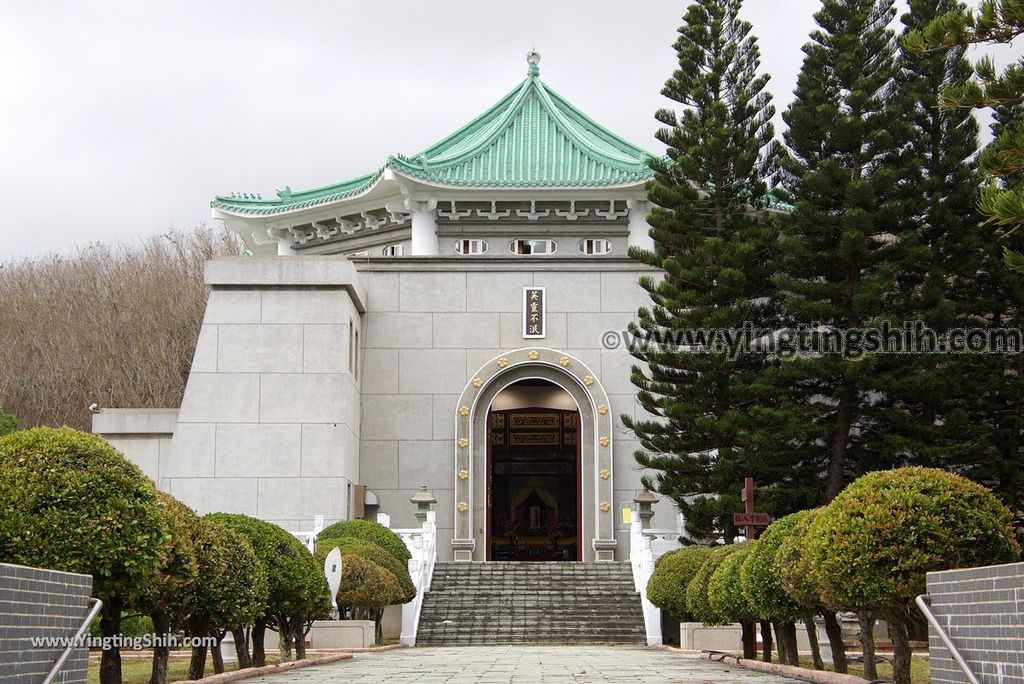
[
  {"x": 422, "y": 544},
  {"x": 645, "y": 547}
]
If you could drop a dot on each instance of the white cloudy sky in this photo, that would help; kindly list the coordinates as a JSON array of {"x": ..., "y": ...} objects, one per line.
[{"x": 123, "y": 119}]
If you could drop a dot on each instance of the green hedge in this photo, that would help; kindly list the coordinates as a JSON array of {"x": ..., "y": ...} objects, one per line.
[
  {"x": 697, "y": 590},
  {"x": 725, "y": 589},
  {"x": 871, "y": 547},
  {"x": 760, "y": 580},
  {"x": 672, "y": 573},
  {"x": 372, "y": 532},
  {"x": 371, "y": 552}
]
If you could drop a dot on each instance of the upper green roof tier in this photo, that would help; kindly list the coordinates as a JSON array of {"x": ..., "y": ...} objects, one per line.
[{"x": 532, "y": 138}]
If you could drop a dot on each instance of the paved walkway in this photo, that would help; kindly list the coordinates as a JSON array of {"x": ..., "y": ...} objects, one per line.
[{"x": 523, "y": 665}]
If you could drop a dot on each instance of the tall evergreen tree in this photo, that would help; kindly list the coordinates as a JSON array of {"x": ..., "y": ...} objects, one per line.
[
  {"x": 923, "y": 413},
  {"x": 715, "y": 247},
  {"x": 842, "y": 243}
]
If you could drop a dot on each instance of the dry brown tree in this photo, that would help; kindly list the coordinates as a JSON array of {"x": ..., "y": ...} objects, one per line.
[{"x": 111, "y": 325}]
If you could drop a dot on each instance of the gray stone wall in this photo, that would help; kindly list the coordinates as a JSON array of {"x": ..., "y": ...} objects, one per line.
[
  {"x": 431, "y": 324},
  {"x": 36, "y": 603},
  {"x": 269, "y": 423},
  {"x": 982, "y": 610}
]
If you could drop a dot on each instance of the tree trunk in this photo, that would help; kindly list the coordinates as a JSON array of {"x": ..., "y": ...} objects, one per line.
[
  {"x": 197, "y": 666},
  {"x": 766, "y": 641},
  {"x": 259, "y": 633},
  {"x": 241, "y": 636},
  {"x": 299, "y": 630},
  {"x": 834, "y": 632},
  {"x": 378, "y": 628},
  {"x": 218, "y": 657},
  {"x": 901, "y": 650},
  {"x": 839, "y": 443},
  {"x": 110, "y": 627},
  {"x": 867, "y": 642},
  {"x": 284, "y": 639},
  {"x": 162, "y": 629},
  {"x": 749, "y": 637},
  {"x": 812, "y": 639},
  {"x": 788, "y": 654}
]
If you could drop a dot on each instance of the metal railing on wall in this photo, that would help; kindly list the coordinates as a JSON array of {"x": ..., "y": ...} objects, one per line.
[{"x": 76, "y": 641}]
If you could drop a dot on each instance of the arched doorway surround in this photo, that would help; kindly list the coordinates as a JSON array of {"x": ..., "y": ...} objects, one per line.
[{"x": 573, "y": 376}]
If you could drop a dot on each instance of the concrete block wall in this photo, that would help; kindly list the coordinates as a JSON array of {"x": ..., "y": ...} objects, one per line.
[
  {"x": 430, "y": 325},
  {"x": 982, "y": 610},
  {"x": 40, "y": 604},
  {"x": 269, "y": 423}
]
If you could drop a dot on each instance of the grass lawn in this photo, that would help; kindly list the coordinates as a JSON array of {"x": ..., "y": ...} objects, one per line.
[
  {"x": 919, "y": 673},
  {"x": 137, "y": 670}
]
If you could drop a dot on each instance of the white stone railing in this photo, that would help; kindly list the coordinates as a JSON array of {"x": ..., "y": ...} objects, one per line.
[
  {"x": 645, "y": 547},
  {"x": 422, "y": 544}
]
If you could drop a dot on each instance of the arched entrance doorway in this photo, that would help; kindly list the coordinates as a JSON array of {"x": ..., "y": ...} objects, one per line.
[{"x": 534, "y": 495}]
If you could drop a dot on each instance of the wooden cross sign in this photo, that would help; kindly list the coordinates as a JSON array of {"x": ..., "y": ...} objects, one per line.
[{"x": 750, "y": 519}]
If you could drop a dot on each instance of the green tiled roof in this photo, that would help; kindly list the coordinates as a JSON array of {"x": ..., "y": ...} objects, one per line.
[{"x": 531, "y": 138}]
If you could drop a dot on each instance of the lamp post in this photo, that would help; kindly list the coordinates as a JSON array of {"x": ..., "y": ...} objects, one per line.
[
  {"x": 423, "y": 499},
  {"x": 644, "y": 500}
]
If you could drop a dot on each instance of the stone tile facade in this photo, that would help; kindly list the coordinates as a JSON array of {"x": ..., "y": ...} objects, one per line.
[
  {"x": 37, "y": 603},
  {"x": 316, "y": 374},
  {"x": 982, "y": 610}
]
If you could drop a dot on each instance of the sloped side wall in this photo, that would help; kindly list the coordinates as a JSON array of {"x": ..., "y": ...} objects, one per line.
[{"x": 982, "y": 610}]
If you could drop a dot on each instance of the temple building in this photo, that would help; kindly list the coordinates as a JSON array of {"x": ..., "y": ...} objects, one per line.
[{"x": 453, "y": 319}]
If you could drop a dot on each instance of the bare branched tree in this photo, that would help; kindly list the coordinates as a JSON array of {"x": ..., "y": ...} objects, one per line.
[{"x": 111, "y": 325}]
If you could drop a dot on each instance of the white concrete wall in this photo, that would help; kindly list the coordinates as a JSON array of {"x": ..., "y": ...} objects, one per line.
[
  {"x": 269, "y": 424},
  {"x": 142, "y": 435},
  {"x": 431, "y": 326}
]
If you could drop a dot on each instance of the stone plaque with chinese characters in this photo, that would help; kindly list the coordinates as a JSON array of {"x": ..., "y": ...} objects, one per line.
[{"x": 534, "y": 319}]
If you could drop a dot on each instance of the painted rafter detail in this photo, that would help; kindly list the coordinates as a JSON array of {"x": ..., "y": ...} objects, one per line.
[
  {"x": 300, "y": 236},
  {"x": 373, "y": 222},
  {"x": 493, "y": 214},
  {"x": 323, "y": 231},
  {"x": 454, "y": 214},
  {"x": 532, "y": 214},
  {"x": 611, "y": 213},
  {"x": 571, "y": 214}
]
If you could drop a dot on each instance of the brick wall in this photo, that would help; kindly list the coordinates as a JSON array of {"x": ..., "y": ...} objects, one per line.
[
  {"x": 982, "y": 609},
  {"x": 40, "y": 603}
]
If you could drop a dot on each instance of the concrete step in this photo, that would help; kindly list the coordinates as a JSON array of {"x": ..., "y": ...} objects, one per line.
[{"x": 530, "y": 603}]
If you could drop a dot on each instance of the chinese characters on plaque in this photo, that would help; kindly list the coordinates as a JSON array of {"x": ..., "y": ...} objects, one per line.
[{"x": 534, "y": 320}]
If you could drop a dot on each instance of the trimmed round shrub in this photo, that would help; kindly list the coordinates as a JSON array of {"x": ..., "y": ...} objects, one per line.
[
  {"x": 371, "y": 552},
  {"x": 672, "y": 573},
  {"x": 725, "y": 589},
  {"x": 367, "y": 587},
  {"x": 371, "y": 532},
  {"x": 166, "y": 594},
  {"x": 759, "y": 579},
  {"x": 792, "y": 564},
  {"x": 69, "y": 501},
  {"x": 296, "y": 585},
  {"x": 871, "y": 547},
  {"x": 231, "y": 589},
  {"x": 697, "y": 590}
]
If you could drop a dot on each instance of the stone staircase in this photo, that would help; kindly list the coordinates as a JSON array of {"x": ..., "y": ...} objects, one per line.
[{"x": 531, "y": 603}]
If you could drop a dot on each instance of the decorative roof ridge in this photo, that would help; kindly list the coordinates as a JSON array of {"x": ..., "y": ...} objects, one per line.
[{"x": 570, "y": 128}]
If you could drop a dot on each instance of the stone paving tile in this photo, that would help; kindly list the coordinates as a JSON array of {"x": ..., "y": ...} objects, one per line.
[{"x": 523, "y": 665}]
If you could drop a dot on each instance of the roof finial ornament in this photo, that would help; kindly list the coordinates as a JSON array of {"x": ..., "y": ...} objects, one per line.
[{"x": 533, "y": 58}]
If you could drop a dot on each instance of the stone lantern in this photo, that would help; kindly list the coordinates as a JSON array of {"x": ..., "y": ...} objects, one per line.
[
  {"x": 644, "y": 500},
  {"x": 423, "y": 499}
]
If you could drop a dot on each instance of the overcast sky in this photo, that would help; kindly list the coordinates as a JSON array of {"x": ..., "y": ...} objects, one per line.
[{"x": 123, "y": 119}]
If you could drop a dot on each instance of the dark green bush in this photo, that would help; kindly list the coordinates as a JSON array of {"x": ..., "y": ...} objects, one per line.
[
  {"x": 371, "y": 552},
  {"x": 366, "y": 587},
  {"x": 72, "y": 502},
  {"x": 672, "y": 573},
  {"x": 871, "y": 547},
  {"x": 372, "y": 532},
  {"x": 792, "y": 564}
]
